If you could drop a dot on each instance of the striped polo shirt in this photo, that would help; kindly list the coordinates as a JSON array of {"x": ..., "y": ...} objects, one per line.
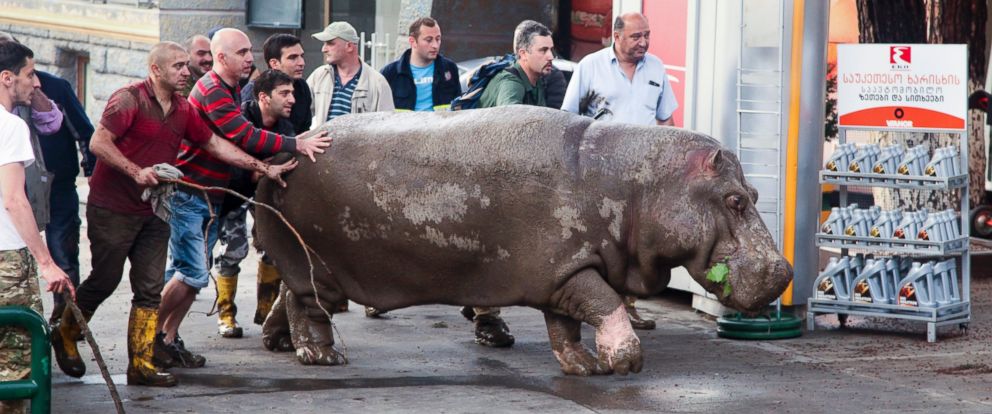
[
  {"x": 219, "y": 106},
  {"x": 341, "y": 101}
]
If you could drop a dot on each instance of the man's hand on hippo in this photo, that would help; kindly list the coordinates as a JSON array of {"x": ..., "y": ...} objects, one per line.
[
  {"x": 313, "y": 143},
  {"x": 275, "y": 171}
]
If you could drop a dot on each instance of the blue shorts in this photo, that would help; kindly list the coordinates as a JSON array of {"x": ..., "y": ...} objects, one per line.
[{"x": 188, "y": 255}]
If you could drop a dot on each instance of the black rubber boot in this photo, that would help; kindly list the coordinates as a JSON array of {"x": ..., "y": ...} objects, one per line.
[
  {"x": 636, "y": 321},
  {"x": 491, "y": 331}
]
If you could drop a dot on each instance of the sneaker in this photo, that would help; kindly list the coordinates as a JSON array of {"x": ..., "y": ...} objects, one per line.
[
  {"x": 161, "y": 356},
  {"x": 182, "y": 357}
]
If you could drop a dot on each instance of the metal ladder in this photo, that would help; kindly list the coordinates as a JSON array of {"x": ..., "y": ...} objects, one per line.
[{"x": 759, "y": 110}]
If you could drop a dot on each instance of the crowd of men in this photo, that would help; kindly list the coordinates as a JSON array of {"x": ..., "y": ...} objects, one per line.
[{"x": 206, "y": 116}]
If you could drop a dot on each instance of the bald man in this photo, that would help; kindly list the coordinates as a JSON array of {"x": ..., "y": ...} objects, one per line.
[
  {"x": 201, "y": 60},
  {"x": 217, "y": 100},
  {"x": 142, "y": 126},
  {"x": 624, "y": 83}
]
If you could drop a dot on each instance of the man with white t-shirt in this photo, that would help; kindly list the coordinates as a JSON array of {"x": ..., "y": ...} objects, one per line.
[{"x": 19, "y": 235}]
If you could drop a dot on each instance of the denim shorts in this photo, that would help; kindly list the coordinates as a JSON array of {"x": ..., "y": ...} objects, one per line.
[{"x": 188, "y": 255}]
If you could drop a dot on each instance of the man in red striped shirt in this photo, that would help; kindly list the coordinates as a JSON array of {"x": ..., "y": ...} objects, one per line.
[
  {"x": 216, "y": 97},
  {"x": 141, "y": 127}
]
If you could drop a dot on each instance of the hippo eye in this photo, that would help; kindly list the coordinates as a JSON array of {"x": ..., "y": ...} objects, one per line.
[{"x": 736, "y": 203}]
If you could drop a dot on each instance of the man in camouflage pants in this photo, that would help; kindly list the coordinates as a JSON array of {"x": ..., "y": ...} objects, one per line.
[
  {"x": 20, "y": 238},
  {"x": 17, "y": 288}
]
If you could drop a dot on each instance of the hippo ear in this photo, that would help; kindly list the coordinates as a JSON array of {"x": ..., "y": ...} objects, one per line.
[
  {"x": 715, "y": 161},
  {"x": 706, "y": 162}
]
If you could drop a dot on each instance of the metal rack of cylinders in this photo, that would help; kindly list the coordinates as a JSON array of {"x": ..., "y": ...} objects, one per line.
[{"x": 906, "y": 254}]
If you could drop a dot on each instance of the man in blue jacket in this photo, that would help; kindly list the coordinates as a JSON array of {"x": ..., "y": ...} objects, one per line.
[
  {"x": 63, "y": 159},
  {"x": 422, "y": 79}
]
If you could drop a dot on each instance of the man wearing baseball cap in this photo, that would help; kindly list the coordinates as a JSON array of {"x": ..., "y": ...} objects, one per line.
[{"x": 345, "y": 85}]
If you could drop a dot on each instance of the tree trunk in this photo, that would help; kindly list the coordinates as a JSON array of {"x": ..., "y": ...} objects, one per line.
[
  {"x": 892, "y": 21},
  {"x": 964, "y": 22},
  {"x": 935, "y": 21}
]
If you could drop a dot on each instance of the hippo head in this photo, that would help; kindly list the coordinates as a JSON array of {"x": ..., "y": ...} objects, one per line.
[{"x": 709, "y": 225}]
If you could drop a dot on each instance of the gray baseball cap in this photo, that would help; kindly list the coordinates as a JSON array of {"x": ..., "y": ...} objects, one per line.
[{"x": 341, "y": 30}]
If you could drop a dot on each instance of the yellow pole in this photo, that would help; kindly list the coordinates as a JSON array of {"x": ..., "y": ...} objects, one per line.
[{"x": 792, "y": 143}]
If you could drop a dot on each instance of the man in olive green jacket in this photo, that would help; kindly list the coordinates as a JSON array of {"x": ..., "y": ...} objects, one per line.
[{"x": 523, "y": 83}]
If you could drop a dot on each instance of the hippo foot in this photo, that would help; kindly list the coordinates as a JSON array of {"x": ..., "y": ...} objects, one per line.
[
  {"x": 617, "y": 345},
  {"x": 280, "y": 343},
  {"x": 491, "y": 331},
  {"x": 319, "y": 355},
  {"x": 576, "y": 359}
]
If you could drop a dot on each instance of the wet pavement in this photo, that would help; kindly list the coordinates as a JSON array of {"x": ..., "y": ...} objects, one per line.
[{"x": 424, "y": 360}]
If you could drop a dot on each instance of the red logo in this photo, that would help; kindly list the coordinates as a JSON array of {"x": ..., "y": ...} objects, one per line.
[{"x": 900, "y": 55}]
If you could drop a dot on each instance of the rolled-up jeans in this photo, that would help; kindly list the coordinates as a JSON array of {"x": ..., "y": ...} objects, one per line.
[{"x": 189, "y": 255}]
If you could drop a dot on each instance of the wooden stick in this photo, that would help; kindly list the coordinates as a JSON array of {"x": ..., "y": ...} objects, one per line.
[{"x": 85, "y": 327}]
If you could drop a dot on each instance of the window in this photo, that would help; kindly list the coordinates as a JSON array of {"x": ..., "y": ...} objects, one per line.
[
  {"x": 280, "y": 14},
  {"x": 82, "y": 64}
]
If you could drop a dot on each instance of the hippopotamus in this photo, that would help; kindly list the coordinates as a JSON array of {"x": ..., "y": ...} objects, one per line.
[{"x": 516, "y": 206}]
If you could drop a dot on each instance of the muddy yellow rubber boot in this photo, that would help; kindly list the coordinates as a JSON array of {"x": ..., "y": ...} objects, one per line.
[
  {"x": 227, "y": 325},
  {"x": 268, "y": 290},
  {"x": 64, "y": 335},
  {"x": 140, "y": 349}
]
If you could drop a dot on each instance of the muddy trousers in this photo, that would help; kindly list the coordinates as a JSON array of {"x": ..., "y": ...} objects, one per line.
[
  {"x": 18, "y": 287},
  {"x": 114, "y": 239}
]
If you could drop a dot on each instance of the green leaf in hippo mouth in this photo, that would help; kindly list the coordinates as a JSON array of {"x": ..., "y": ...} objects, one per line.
[{"x": 719, "y": 274}]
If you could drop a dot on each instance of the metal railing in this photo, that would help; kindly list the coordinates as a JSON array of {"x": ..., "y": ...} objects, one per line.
[
  {"x": 381, "y": 49},
  {"x": 39, "y": 386}
]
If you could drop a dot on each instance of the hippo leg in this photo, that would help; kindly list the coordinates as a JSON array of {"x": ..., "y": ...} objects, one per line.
[
  {"x": 566, "y": 342},
  {"x": 311, "y": 331},
  {"x": 587, "y": 297},
  {"x": 275, "y": 329}
]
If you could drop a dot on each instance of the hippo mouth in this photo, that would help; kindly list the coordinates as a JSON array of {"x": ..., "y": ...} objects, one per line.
[{"x": 720, "y": 278}]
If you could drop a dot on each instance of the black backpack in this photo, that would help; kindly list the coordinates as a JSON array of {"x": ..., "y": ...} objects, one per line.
[{"x": 480, "y": 79}]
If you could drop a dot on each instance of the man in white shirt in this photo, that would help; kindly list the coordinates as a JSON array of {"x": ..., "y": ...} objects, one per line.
[
  {"x": 623, "y": 81},
  {"x": 19, "y": 235}
]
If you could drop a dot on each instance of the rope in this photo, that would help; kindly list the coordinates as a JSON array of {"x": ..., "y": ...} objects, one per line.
[{"x": 306, "y": 248}]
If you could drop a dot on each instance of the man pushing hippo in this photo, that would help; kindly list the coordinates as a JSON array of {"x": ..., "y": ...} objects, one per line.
[{"x": 515, "y": 206}]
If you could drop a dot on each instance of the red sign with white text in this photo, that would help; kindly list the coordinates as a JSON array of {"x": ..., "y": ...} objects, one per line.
[{"x": 902, "y": 86}]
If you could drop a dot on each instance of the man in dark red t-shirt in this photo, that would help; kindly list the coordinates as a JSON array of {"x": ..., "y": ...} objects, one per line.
[{"x": 142, "y": 125}]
